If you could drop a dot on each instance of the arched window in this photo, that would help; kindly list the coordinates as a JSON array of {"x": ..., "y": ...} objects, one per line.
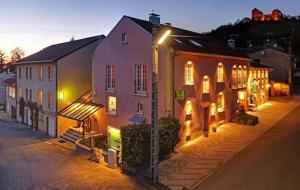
[
  {"x": 220, "y": 73},
  {"x": 188, "y": 73},
  {"x": 245, "y": 75},
  {"x": 240, "y": 76},
  {"x": 220, "y": 102},
  {"x": 234, "y": 76},
  {"x": 205, "y": 84}
]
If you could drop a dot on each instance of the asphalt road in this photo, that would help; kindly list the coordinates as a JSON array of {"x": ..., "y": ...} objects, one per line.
[
  {"x": 28, "y": 163},
  {"x": 271, "y": 162}
]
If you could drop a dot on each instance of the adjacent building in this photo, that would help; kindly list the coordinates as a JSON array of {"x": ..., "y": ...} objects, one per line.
[
  {"x": 4, "y": 76},
  {"x": 200, "y": 81},
  {"x": 50, "y": 80},
  {"x": 10, "y": 97}
]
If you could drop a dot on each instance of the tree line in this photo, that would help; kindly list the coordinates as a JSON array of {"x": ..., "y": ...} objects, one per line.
[{"x": 6, "y": 60}]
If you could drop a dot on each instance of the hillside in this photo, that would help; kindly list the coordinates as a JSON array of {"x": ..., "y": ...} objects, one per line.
[{"x": 246, "y": 32}]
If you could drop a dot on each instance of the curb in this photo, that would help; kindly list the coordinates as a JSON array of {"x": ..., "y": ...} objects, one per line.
[{"x": 233, "y": 155}]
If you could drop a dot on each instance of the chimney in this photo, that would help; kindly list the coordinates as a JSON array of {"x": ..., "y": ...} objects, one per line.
[
  {"x": 154, "y": 19},
  {"x": 231, "y": 43}
]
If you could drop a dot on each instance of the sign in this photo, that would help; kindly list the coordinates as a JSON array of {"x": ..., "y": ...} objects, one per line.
[
  {"x": 113, "y": 138},
  {"x": 180, "y": 94},
  {"x": 254, "y": 86}
]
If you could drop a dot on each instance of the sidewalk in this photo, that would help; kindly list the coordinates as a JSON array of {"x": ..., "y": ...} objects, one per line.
[{"x": 198, "y": 159}]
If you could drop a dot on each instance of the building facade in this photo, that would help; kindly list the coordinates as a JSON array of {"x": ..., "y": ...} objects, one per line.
[
  {"x": 207, "y": 83},
  {"x": 10, "y": 98},
  {"x": 51, "y": 79}
]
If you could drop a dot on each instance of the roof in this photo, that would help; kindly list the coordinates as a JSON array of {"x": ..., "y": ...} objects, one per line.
[
  {"x": 9, "y": 81},
  {"x": 81, "y": 108},
  {"x": 58, "y": 51},
  {"x": 189, "y": 41},
  {"x": 257, "y": 64}
]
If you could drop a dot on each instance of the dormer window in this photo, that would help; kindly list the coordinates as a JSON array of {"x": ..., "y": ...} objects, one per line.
[
  {"x": 124, "y": 38},
  {"x": 195, "y": 43}
]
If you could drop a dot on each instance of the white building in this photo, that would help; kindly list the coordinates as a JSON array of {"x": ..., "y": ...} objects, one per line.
[{"x": 51, "y": 79}]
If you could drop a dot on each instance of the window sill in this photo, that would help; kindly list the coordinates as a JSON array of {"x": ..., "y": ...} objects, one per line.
[
  {"x": 110, "y": 91},
  {"x": 140, "y": 113},
  {"x": 189, "y": 84},
  {"x": 220, "y": 110},
  {"x": 111, "y": 113},
  {"x": 205, "y": 92},
  {"x": 220, "y": 81},
  {"x": 124, "y": 42},
  {"x": 143, "y": 94}
]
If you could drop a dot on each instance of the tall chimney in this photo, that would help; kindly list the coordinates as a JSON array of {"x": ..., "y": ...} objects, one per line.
[{"x": 154, "y": 19}]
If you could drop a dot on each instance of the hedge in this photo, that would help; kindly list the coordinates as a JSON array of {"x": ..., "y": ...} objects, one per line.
[{"x": 136, "y": 141}]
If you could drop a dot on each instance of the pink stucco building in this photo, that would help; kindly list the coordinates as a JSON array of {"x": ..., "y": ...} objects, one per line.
[{"x": 201, "y": 81}]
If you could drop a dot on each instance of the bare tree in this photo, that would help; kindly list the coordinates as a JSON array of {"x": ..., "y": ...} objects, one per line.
[
  {"x": 16, "y": 54},
  {"x": 2, "y": 59}
]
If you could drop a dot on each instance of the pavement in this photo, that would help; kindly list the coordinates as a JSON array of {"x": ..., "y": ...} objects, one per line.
[
  {"x": 200, "y": 158},
  {"x": 270, "y": 162},
  {"x": 30, "y": 163}
]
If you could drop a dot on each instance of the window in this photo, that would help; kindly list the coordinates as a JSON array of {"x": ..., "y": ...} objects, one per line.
[
  {"x": 195, "y": 43},
  {"x": 112, "y": 105},
  {"x": 20, "y": 72},
  {"x": 20, "y": 92},
  {"x": 234, "y": 76},
  {"x": 240, "y": 77},
  {"x": 267, "y": 74},
  {"x": 254, "y": 75},
  {"x": 50, "y": 100},
  {"x": 124, "y": 38},
  {"x": 30, "y": 94},
  {"x": 140, "y": 109},
  {"x": 26, "y": 74},
  {"x": 26, "y": 94},
  {"x": 205, "y": 84},
  {"x": 30, "y": 73},
  {"x": 50, "y": 72},
  {"x": 220, "y": 73},
  {"x": 40, "y": 72},
  {"x": 11, "y": 92},
  {"x": 188, "y": 73},
  {"x": 140, "y": 79},
  {"x": 110, "y": 77},
  {"x": 40, "y": 97},
  {"x": 258, "y": 74},
  {"x": 213, "y": 109},
  {"x": 220, "y": 102},
  {"x": 245, "y": 75},
  {"x": 262, "y": 74}
]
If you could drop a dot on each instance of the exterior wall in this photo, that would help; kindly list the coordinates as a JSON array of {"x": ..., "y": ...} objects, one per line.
[
  {"x": 124, "y": 57},
  {"x": 204, "y": 65},
  {"x": 36, "y": 84},
  {"x": 277, "y": 60},
  {"x": 10, "y": 107}
]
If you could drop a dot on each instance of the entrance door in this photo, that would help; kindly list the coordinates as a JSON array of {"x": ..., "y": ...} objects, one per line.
[
  {"x": 51, "y": 127},
  {"x": 206, "y": 115},
  {"x": 13, "y": 112}
]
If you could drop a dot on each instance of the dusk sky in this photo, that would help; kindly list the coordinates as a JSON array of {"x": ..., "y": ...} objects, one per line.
[{"x": 35, "y": 24}]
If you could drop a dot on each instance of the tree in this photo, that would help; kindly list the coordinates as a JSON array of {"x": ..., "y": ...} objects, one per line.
[
  {"x": 16, "y": 54},
  {"x": 2, "y": 60}
]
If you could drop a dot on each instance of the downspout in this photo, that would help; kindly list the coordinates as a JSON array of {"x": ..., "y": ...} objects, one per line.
[
  {"x": 172, "y": 73},
  {"x": 56, "y": 100}
]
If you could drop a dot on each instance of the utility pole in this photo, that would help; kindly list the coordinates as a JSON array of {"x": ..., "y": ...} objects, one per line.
[{"x": 154, "y": 110}]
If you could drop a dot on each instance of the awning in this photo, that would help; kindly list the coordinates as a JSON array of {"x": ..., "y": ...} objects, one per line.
[
  {"x": 137, "y": 119},
  {"x": 81, "y": 108}
]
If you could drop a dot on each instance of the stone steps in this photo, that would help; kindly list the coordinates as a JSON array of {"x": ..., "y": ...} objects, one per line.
[{"x": 71, "y": 135}]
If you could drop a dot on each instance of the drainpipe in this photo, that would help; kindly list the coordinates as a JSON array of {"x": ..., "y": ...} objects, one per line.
[{"x": 172, "y": 73}]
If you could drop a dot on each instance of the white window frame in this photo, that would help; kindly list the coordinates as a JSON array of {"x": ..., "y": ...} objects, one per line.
[
  {"x": 124, "y": 38},
  {"x": 141, "y": 79},
  {"x": 188, "y": 73},
  {"x": 110, "y": 78}
]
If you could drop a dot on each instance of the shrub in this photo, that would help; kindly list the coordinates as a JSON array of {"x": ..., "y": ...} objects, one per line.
[{"x": 136, "y": 141}]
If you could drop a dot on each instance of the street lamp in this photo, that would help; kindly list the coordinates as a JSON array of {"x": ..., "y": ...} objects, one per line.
[{"x": 154, "y": 104}]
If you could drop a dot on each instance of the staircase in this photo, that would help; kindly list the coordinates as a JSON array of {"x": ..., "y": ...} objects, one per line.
[{"x": 71, "y": 135}]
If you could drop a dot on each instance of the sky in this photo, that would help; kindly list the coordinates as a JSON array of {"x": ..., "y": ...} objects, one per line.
[{"x": 36, "y": 24}]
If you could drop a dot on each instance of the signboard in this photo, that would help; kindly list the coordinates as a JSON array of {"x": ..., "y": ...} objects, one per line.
[
  {"x": 180, "y": 94},
  {"x": 114, "y": 138},
  {"x": 254, "y": 86}
]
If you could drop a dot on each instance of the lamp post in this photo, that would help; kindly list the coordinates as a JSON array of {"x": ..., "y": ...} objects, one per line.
[{"x": 154, "y": 104}]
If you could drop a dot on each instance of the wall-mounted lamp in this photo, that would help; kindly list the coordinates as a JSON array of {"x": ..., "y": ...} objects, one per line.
[{"x": 61, "y": 95}]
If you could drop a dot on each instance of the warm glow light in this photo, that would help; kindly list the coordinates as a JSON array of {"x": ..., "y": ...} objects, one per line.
[
  {"x": 61, "y": 95},
  {"x": 242, "y": 95},
  {"x": 188, "y": 110},
  {"x": 164, "y": 36}
]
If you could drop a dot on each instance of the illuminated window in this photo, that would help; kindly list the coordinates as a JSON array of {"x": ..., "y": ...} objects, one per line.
[
  {"x": 234, "y": 76},
  {"x": 140, "y": 79},
  {"x": 40, "y": 72},
  {"x": 205, "y": 84},
  {"x": 188, "y": 109},
  {"x": 140, "y": 109},
  {"x": 50, "y": 100},
  {"x": 50, "y": 72},
  {"x": 20, "y": 92},
  {"x": 220, "y": 73},
  {"x": 213, "y": 109},
  {"x": 20, "y": 72},
  {"x": 110, "y": 77},
  {"x": 40, "y": 97},
  {"x": 258, "y": 74},
  {"x": 12, "y": 92},
  {"x": 240, "y": 76},
  {"x": 220, "y": 102},
  {"x": 244, "y": 75},
  {"x": 112, "y": 105},
  {"x": 266, "y": 74},
  {"x": 250, "y": 74},
  {"x": 188, "y": 73}
]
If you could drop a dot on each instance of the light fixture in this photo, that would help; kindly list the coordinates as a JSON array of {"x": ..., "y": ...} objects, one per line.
[
  {"x": 163, "y": 37},
  {"x": 61, "y": 95}
]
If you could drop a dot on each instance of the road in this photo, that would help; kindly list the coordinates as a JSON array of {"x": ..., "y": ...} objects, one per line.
[
  {"x": 28, "y": 163},
  {"x": 271, "y": 162}
]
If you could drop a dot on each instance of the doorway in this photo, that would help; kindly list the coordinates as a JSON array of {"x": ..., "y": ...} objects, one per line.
[{"x": 206, "y": 119}]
